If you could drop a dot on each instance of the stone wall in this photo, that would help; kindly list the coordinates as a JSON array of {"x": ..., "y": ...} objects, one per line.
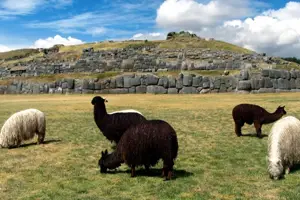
[{"x": 267, "y": 81}]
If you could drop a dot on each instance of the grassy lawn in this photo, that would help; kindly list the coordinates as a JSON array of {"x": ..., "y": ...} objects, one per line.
[{"x": 212, "y": 162}]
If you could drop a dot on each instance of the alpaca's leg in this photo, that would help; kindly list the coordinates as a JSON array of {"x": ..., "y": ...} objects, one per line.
[
  {"x": 287, "y": 170},
  {"x": 168, "y": 168},
  {"x": 41, "y": 134},
  {"x": 132, "y": 170},
  {"x": 41, "y": 138},
  {"x": 163, "y": 172},
  {"x": 257, "y": 126},
  {"x": 238, "y": 128}
]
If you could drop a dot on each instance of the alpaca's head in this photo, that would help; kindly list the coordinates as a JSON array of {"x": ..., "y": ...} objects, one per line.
[
  {"x": 275, "y": 169},
  {"x": 98, "y": 100},
  {"x": 280, "y": 110},
  {"x": 101, "y": 162}
]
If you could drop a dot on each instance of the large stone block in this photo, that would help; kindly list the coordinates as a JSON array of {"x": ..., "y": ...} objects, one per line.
[
  {"x": 268, "y": 83},
  {"x": 206, "y": 82},
  {"x": 293, "y": 83},
  {"x": 98, "y": 86},
  {"x": 151, "y": 79},
  {"x": 141, "y": 89},
  {"x": 163, "y": 81},
  {"x": 244, "y": 75},
  {"x": 70, "y": 83},
  {"x": 188, "y": 90},
  {"x": 187, "y": 80},
  {"x": 154, "y": 89},
  {"x": 136, "y": 81},
  {"x": 118, "y": 91},
  {"x": 293, "y": 74},
  {"x": 265, "y": 72},
  {"x": 197, "y": 81},
  {"x": 172, "y": 91},
  {"x": 244, "y": 85},
  {"x": 285, "y": 74},
  {"x": 297, "y": 82},
  {"x": 112, "y": 84},
  {"x": 172, "y": 81},
  {"x": 283, "y": 84},
  {"x": 120, "y": 82},
  {"x": 217, "y": 83},
  {"x": 85, "y": 84},
  {"x": 266, "y": 90},
  {"x": 131, "y": 90},
  {"x": 179, "y": 83},
  {"x": 257, "y": 83},
  {"x": 64, "y": 85}
]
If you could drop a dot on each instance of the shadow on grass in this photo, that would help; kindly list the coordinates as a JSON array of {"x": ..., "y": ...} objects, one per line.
[
  {"x": 154, "y": 173},
  {"x": 295, "y": 168},
  {"x": 34, "y": 143},
  {"x": 253, "y": 135}
]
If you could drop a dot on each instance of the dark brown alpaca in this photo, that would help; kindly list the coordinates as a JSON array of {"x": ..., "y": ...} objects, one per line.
[
  {"x": 144, "y": 144},
  {"x": 250, "y": 113}
]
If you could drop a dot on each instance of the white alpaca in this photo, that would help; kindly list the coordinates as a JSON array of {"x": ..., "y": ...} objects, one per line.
[
  {"x": 126, "y": 111},
  {"x": 22, "y": 126},
  {"x": 283, "y": 146}
]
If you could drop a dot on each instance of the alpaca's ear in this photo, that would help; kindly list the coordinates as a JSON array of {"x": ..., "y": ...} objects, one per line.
[
  {"x": 106, "y": 152},
  {"x": 102, "y": 153}
]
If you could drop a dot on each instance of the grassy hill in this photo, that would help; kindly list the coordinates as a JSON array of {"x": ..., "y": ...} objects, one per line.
[
  {"x": 181, "y": 40},
  {"x": 71, "y": 53}
]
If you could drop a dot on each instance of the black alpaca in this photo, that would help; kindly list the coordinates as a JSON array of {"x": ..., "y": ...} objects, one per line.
[
  {"x": 250, "y": 113},
  {"x": 144, "y": 144},
  {"x": 113, "y": 125}
]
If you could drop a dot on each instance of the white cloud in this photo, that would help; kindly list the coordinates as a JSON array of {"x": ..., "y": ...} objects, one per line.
[
  {"x": 4, "y": 48},
  {"x": 149, "y": 36},
  {"x": 51, "y": 41},
  {"x": 189, "y": 14},
  {"x": 10, "y": 8},
  {"x": 275, "y": 32},
  {"x": 94, "y": 31}
]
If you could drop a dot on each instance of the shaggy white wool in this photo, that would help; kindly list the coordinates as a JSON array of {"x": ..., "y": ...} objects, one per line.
[
  {"x": 126, "y": 111},
  {"x": 22, "y": 126},
  {"x": 283, "y": 146}
]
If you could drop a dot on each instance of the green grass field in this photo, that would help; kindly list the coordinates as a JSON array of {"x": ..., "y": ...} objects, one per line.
[{"x": 212, "y": 162}]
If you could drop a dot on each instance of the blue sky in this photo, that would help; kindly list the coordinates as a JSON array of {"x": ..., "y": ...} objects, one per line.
[{"x": 35, "y": 23}]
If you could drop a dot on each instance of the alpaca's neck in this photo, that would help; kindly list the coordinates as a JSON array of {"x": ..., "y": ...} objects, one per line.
[
  {"x": 272, "y": 117},
  {"x": 113, "y": 160},
  {"x": 99, "y": 113}
]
